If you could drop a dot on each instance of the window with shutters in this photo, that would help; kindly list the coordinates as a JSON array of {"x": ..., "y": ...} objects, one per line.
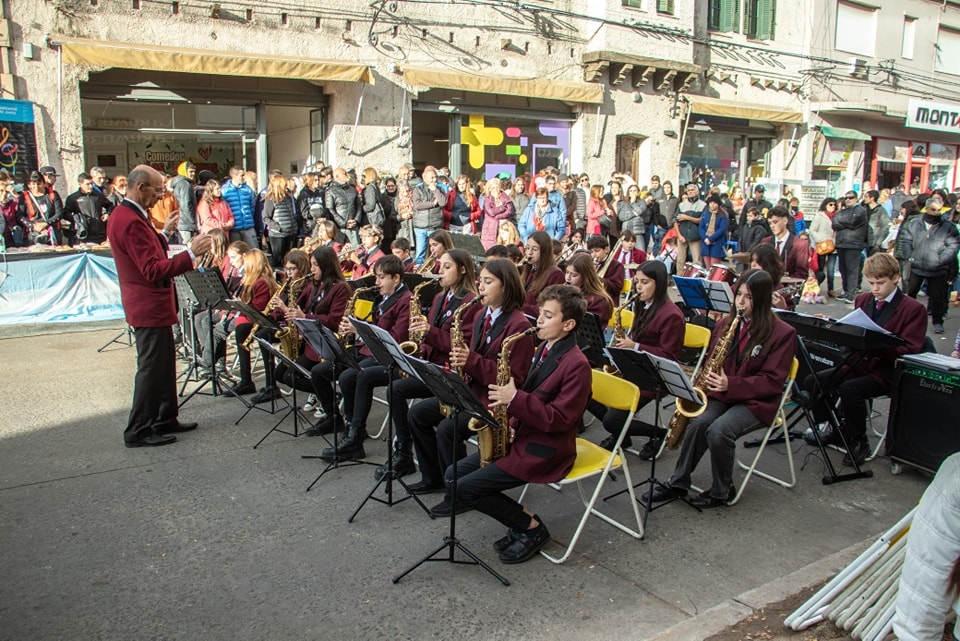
[
  {"x": 759, "y": 19},
  {"x": 636, "y": 4},
  {"x": 723, "y": 15},
  {"x": 665, "y": 6}
]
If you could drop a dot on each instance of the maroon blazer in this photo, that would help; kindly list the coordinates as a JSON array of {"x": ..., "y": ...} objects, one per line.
[
  {"x": 530, "y": 303},
  {"x": 436, "y": 342},
  {"x": 393, "y": 315},
  {"x": 613, "y": 279},
  {"x": 145, "y": 272},
  {"x": 637, "y": 256},
  {"x": 600, "y": 306},
  {"x": 796, "y": 263},
  {"x": 663, "y": 334},
  {"x": 756, "y": 377},
  {"x": 546, "y": 414},
  {"x": 480, "y": 369},
  {"x": 258, "y": 299},
  {"x": 366, "y": 263},
  {"x": 408, "y": 266},
  {"x": 324, "y": 304},
  {"x": 903, "y": 316}
]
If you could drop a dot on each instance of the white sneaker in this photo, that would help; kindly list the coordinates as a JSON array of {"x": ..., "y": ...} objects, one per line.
[
  {"x": 319, "y": 413},
  {"x": 311, "y": 403}
]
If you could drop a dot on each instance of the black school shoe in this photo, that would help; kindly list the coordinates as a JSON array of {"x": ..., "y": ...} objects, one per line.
[
  {"x": 859, "y": 451},
  {"x": 705, "y": 501},
  {"x": 526, "y": 544}
]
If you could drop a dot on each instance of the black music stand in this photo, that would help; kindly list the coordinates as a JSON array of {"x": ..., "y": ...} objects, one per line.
[
  {"x": 128, "y": 333},
  {"x": 342, "y": 359},
  {"x": 292, "y": 409},
  {"x": 188, "y": 305},
  {"x": 472, "y": 244},
  {"x": 211, "y": 293},
  {"x": 265, "y": 322},
  {"x": 388, "y": 353},
  {"x": 453, "y": 392},
  {"x": 661, "y": 376},
  {"x": 590, "y": 340}
]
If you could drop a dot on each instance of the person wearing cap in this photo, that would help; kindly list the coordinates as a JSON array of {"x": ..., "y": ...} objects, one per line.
[
  {"x": 930, "y": 243},
  {"x": 713, "y": 229},
  {"x": 757, "y": 201}
]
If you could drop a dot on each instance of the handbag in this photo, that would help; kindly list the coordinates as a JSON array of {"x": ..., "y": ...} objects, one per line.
[{"x": 825, "y": 247}]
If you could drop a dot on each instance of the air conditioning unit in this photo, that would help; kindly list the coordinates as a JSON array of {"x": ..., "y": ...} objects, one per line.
[{"x": 858, "y": 66}]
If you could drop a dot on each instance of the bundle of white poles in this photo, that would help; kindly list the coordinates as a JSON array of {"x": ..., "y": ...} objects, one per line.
[{"x": 862, "y": 597}]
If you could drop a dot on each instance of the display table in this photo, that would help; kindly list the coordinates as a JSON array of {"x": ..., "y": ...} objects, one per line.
[{"x": 59, "y": 287}]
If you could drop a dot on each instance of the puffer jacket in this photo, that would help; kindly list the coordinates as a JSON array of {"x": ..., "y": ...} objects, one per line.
[
  {"x": 931, "y": 252},
  {"x": 850, "y": 223},
  {"x": 186, "y": 196},
  {"x": 632, "y": 215},
  {"x": 281, "y": 217},
  {"x": 427, "y": 214},
  {"x": 341, "y": 203},
  {"x": 242, "y": 201}
]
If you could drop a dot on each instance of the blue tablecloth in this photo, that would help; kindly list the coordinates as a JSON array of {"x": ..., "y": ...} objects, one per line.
[{"x": 60, "y": 289}]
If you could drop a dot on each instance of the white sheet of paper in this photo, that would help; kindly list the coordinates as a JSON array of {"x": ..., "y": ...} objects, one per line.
[{"x": 858, "y": 318}]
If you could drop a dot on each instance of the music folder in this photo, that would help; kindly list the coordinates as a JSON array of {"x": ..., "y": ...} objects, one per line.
[
  {"x": 451, "y": 389},
  {"x": 643, "y": 367},
  {"x": 325, "y": 343},
  {"x": 382, "y": 345},
  {"x": 254, "y": 314}
]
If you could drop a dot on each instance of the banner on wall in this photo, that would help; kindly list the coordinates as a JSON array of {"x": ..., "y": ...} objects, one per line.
[
  {"x": 167, "y": 156},
  {"x": 18, "y": 139}
]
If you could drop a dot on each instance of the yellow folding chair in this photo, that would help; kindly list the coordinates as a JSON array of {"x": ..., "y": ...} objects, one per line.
[
  {"x": 594, "y": 461},
  {"x": 626, "y": 319},
  {"x": 778, "y": 422},
  {"x": 363, "y": 308}
]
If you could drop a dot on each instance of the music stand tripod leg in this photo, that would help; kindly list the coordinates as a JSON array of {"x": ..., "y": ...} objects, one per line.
[
  {"x": 450, "y": 542},
  {"x": 390, "y": 475}
]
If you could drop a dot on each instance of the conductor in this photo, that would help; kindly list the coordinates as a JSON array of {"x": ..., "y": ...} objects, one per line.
[{"x": 149, "y": 303}]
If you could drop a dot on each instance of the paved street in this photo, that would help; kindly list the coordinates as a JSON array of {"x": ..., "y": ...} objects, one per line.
[{"x": 209, "y": 538}]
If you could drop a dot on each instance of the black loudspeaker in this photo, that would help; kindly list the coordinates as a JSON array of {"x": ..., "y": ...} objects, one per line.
[{"x": 923, "y": 429}]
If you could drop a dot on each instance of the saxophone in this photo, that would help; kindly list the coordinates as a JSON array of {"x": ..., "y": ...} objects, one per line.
[
  {"x": 269, "y": 307},
  {"x": 351, "y": 303},
  {"x": 456, "y": 328},
  {"x": 412, "y": 346},
  {"x": 681, "y": 417},
  {"x": 289, "y": 336},
  {"x": 495, "y": 442},
  {"x": 619, "y": 331}
]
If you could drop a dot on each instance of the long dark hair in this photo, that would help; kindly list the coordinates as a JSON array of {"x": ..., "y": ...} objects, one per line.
[
  {"x": 467, "y": 282},
  {"x": 760, "y": 285},
  {"x": 658, "y": 272},
  {"x": 544, "y": 265},
  {"x": 769, "y": 260},
  {"x": 590, "y": 281},
  {"x": 506, "y": 272},
  {"x": 329, "y": 265}
]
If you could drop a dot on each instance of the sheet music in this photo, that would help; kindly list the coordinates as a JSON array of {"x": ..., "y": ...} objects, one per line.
[
  {"x": 391, "y": 346},
  {"x": 720, "y": 295},
  {"x": 859, "y": 318},
  {"x": 675, "y": 378}
]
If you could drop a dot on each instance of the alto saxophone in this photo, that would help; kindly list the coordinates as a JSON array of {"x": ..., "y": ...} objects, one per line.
[
  {"x": 456, "y": 329},
  {"x": 351, "y": 303},
  {"x": 412, "y": 346},
  {"x": 494, "y": 443},
  {"x": 289, "y": 336},
  {"x": 681, "y": 417},
  {"x": 619, "y": 331},
  {"x": 269, "y": 307}
]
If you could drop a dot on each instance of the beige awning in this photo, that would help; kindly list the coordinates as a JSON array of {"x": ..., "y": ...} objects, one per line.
[
  {"x": 745, "y": 110},
  {"x": 101, "y": 53},
  {"x": 492, "y": 83}
]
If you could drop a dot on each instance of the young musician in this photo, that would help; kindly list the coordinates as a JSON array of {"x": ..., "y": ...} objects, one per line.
[
  {"x": 540, "y": 271},
  {"x": 501, "y": 293},
  {"x": 391, "y": 311},
  {"x": 794, "y": 252},
  {"x": 296, "y": 268},
  {"x": 323, "y": 299},
  {"x": 742, "y": 396},
  {"x": 400, "y": 247},
  {"x": 458, "y": 281},
  {"x": 369, "y": 253},
  {"x": 581, "y": 274},
  {"x": 873, "y": 375},
  {"x": 658, "y": 328},
  {"x": 257, "y": 285},
  {"x": 629, "y": 255},
  {"x": 544, "y": 415},
  {"x": 439, "y": 242},
  {"x": 764, "y": 256},
  {"x": 614, "y": 275}
]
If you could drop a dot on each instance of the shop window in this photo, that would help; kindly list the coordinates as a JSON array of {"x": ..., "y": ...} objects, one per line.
[
  {"x": 513, "y": 145},
  {"x": 710, "y": 158},
  {"x": 948, "y": 52},
  {"x": 856, "y": 29},
  {"x": 943, "y": 158}
]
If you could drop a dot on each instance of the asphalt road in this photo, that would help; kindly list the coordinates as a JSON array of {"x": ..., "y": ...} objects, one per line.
[{"x": 209, "y": 538}]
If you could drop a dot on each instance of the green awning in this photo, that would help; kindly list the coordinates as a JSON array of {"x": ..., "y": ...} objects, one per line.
[{"x": 840, "y": 132}]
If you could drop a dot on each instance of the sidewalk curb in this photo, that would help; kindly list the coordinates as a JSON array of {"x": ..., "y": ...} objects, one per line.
[{"x": 736, "y": 609}]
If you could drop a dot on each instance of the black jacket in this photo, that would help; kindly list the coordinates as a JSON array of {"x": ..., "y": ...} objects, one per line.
[
  {"x": 86, "y": 210},
  {"x": 850, "y": 223},
  {"x": 281, "y": 217},
  {"x": 341, "y": 203}
]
